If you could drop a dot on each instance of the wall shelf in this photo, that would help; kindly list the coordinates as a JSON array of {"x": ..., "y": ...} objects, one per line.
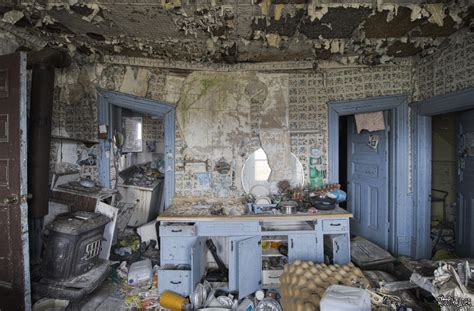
[{"x": 77, "y": 140}]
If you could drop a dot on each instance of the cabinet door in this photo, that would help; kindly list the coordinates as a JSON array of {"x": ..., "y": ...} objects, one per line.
[
  {"x": 341, "y": 248},
  {"x": 234, "y": 261},
  {"x": 303, "y": 246},
  {"x": 245, "y": 264},
  {"x": 250, "y": 266},
  {"x": 198, "y": 261}
]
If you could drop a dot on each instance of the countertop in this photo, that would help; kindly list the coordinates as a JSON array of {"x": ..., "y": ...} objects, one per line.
[{"x": 175, "y": 213}]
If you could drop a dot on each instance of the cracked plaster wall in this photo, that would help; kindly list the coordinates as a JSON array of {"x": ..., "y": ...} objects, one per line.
[
  {"x": 220, "y": 114},
  {"x": 234, "y": 106}
]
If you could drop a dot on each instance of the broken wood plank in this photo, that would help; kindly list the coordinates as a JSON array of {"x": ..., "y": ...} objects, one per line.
[{"x": 396, "y": 286}]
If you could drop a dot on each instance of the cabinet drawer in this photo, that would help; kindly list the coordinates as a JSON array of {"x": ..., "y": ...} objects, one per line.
[
  {"x": 176, "y": 250},
  {"x": 228, "y": 228},
  {"x": 177, "y": 230},
  {"x": 335, "y": 225},
  {"x": 271, "y": 277},
  {"x": 177, "y": 281}
]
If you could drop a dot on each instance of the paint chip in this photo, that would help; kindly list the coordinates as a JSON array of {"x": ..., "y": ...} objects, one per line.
[
  {"x": 437, "y": 13},
  {"x": 12, "y": 17}
]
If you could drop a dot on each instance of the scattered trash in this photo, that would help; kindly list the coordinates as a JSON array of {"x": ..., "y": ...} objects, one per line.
[
  {"x": 48, "y": 304},
  {"x": 172, "y": 301},
  {"x": 345, "y": 298},
  {"x": 246, "y": 304},
  {"x": 448, "y": 284},
  {"x": 147, "y": 232},
  {"x": 122, "y": 270},
  {"x": 269, "y": 304},
  {"x": 140, "y": 273},
  {"x": 122, "y": 251},
  {"x": 143, "y": 175}
]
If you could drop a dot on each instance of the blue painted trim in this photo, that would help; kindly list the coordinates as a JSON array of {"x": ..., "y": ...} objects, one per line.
[
  {"x": 170, "y": 135},
  {"x": 105, "y": 101},
  {"x": 422, "y": 147},
  {"x": 104, "y": 144},
  {"x": 452, "y": 102},
  {"x": 422, "y": 185},
  {"x": 400, "y": 237},
  {"x": 136, "y": 103}
]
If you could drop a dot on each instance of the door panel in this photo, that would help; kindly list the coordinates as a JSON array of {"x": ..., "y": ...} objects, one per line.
[
  {"x": 245, "y": 259},
  {"x": 303, "y": 247},
  {"x": 250, "y": 265},
  {"x": 465, "y": 209},
  {"x": 198, "y": 261},
  {"x": 234, "y": 261},
  {"x": 14, "y": 262},
  {"x": 367, "y": 178}
]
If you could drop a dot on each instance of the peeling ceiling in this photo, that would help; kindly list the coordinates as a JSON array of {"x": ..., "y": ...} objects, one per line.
[{"x": 368, "y": 32}]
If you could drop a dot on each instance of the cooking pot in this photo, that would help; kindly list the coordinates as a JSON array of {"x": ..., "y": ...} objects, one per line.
[
  {"x": 288, "y": 207},
  {"x": 322, "y": 203}
]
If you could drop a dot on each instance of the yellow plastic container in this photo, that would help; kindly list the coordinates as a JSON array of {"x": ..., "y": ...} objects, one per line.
[{"x": 172, "y": 301}]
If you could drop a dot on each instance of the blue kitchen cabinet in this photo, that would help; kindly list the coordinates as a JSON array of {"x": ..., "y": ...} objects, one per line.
[
  {"x": 183, "y": 245},
  {"x": 303, "y": 246},
  {"x": 245, "y": 264}
]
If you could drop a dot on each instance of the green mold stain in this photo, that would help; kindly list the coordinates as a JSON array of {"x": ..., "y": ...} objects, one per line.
[{"x": 221, "y": 84}]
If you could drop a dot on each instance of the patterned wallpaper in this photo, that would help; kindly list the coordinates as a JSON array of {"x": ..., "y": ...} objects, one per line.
[
  {"x": 448, "y": 70},
  {"x": 310, "y": 93}
]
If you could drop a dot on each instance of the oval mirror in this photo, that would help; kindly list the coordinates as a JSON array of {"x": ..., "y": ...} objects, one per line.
[{"x": 256, "y": 171}]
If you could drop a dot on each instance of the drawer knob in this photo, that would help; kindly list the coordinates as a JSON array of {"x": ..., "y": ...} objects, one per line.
[
  {"x": 174, "y": 230},
  {"x": 335, "y": 225},
  {"x": 175, "y": 283}
]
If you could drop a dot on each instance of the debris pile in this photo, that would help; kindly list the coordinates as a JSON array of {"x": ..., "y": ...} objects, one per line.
[{"x": 303, "y": 283}]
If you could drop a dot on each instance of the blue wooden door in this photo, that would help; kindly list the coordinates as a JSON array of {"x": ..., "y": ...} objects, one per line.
[
  {"x": 367, "y": 183},
  {"x": 465, "y": 209}
]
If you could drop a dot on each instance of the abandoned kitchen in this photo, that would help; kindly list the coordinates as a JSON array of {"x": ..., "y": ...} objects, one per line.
[{"x": 258, "y": 155}]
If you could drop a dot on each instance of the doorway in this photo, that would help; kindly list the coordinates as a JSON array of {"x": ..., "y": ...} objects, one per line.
[
  {"x": 110, "y": 103},
  {"x": 443, "y": 148},
  {"x": 443, "y": 181},
  {"x": 398, "y": 238},
  {"x": 452, "y": 182},
  {"x": 364, "y": 174}
]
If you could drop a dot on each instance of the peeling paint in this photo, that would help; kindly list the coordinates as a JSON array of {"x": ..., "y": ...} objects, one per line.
[
  {"x": 217, "y": 32},
  {"x": 277, "y": 11},
  {"x": 171, "y": 4},
  {"x": 273, "y": 40},
  {"x": 316, "y": 12},
  {"x": 265, "y": 7},
  {"x": 437, "y": 13},
  {"x": 12, "y": 17},
  {"x": 135, "y": 81}
]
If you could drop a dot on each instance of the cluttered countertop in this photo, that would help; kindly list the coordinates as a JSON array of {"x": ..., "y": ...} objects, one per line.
[
  {"x": 201, "y": 213},
  {"x": 236, "y": 209}
]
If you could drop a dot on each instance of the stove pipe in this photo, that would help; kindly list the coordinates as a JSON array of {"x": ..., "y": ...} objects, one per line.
[{"x": 43, "y": 63}]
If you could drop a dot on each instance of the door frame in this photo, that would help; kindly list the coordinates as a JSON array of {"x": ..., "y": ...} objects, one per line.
[
  {"x": 106, "y": 100},
  {"x": 399, "y": 237},
  {"x": 422, "y": 150}
]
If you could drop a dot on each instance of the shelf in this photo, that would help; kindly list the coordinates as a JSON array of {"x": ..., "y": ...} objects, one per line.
[
  {"x": 271, "y": 253},
  {"x": 87, "y": 142},
  {"x": 275, "y": 238}
]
